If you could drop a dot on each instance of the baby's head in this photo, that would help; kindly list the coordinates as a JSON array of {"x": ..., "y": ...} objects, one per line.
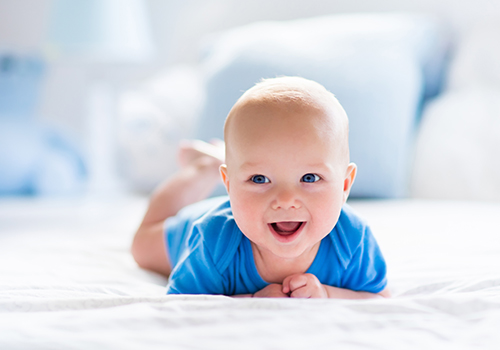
[{"x": 287, "y": 168}]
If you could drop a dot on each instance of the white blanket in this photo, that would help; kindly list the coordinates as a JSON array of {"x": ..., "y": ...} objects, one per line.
[{"x": 68, "y": 281}]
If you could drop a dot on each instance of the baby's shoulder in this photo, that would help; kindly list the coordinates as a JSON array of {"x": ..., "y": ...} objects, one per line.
[
  {"x": 350, "y": 220},
  {"x": 349, "y": 233},
  {"x": 219, "y": 234}
]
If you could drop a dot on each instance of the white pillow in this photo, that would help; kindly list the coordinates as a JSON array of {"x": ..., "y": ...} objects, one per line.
[{"x": 458, "y": 147}]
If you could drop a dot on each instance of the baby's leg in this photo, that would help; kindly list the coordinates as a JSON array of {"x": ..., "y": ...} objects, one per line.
[{"x": 198, "y": 176}]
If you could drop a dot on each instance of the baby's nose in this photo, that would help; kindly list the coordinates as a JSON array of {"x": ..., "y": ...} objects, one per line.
[{"x": 286, "y": 199}]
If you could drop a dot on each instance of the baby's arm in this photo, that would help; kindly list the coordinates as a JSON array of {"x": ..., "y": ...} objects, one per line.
[{"x": 308, "y": 286}]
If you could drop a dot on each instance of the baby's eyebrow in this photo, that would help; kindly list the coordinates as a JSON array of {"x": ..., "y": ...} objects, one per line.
[
  {"x": 250, "y": 165},
  {"x": 322, "y": 166}
]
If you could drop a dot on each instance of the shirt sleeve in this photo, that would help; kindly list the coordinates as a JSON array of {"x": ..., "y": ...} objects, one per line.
[
  {"x": 196, "y": 273},
  {"x": 367, "y": 269},
  {"x": 178, "y": 228}
]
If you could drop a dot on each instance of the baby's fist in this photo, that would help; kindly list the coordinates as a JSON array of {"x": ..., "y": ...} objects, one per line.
[{"x": 304, "y": 285}]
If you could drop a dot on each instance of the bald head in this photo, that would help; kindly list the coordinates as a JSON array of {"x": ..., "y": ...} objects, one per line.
[{"x": 288, "y": 102}]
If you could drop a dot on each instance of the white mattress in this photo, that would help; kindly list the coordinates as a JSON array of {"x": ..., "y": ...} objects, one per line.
[{"x": 68, "y": 281}]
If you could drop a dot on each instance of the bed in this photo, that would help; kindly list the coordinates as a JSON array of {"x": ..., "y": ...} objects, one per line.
[{"x": 68, "y": 281}]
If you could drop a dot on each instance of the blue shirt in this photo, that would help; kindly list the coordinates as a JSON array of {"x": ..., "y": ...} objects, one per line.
[{"x": 210, "y": 254}]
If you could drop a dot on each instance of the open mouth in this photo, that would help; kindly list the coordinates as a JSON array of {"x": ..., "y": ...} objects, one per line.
[{"x": 286, "y": 230}]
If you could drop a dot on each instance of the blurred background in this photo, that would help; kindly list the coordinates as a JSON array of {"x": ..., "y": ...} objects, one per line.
[{"x": 96, "y": 94}]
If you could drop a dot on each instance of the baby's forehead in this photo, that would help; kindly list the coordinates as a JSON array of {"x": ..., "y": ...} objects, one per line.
[
  {"x": 262, "y": 121},
  {"x": 281, "y": 111}
]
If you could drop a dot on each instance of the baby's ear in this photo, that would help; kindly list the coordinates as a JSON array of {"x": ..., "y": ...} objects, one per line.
[
  {"x": 224, "y": 176},
  {"x": 349, "y": 179}
]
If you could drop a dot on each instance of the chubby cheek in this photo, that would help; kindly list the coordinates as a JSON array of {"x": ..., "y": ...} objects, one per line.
[
  {"x": 247, "y": 211},
  {"x": 326, "y": 212}
]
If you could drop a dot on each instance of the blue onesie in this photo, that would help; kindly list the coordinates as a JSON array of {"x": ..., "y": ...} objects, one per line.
[{"x": 210, "y": 255}]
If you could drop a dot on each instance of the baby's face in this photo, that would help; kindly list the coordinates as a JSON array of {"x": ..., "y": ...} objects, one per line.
[{"x": 286, "y": 177}]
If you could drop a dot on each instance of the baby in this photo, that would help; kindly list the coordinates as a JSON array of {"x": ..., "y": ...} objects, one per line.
[{"x": 284, "y": 230}]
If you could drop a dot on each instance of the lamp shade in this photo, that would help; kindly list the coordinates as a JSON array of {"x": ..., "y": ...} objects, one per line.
[{"x": 100, "y": 30}]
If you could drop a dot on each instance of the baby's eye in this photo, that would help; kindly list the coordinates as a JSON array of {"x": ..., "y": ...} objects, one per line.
[
  {"x": 259, "y": 179},
  {"x": 310, "y": 178}
]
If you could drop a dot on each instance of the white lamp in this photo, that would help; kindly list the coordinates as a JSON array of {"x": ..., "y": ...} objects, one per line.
[{"x": 98, "y": 33}]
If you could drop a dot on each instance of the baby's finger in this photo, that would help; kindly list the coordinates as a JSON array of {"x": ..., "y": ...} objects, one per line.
[
  {"x": 297, "y": 281},
  {"x": 302, "y": 292},
  {"x": 286, "y": 285}
]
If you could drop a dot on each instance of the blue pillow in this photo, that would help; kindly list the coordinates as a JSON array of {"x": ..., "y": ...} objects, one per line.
[
  {"x": 381, "y": 67},
  {"x": 38, "y": 160}
]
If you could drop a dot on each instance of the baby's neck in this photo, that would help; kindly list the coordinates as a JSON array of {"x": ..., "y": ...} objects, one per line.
[{"x": 274, "y": 269}]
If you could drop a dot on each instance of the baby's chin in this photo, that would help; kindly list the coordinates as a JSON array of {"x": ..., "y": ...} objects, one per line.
[
  {"x": 292, "y": 258},
  {"x": 291, "y": 253}
]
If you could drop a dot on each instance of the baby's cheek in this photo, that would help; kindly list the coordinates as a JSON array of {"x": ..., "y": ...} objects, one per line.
[
  {"x": 244, "y": 214},
  {"x": 326, "y": 219}
]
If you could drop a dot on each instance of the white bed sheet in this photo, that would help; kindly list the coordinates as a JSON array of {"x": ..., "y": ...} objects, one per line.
[{"x": 68, "y": 281}]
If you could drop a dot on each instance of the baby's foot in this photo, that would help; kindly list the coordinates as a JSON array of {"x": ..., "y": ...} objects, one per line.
[{"x": 191, "y": 151}]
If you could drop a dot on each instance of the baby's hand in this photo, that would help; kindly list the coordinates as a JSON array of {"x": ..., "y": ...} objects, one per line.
[
  {"x": 271, "y": 291},
  {"x": 304, "y": 285}
]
